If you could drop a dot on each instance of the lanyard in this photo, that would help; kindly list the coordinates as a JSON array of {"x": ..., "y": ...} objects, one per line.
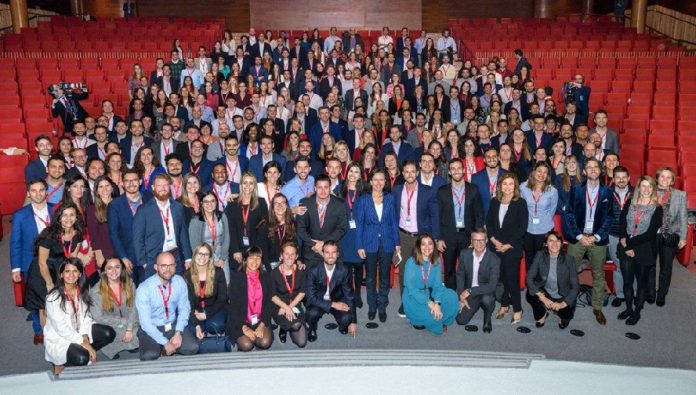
[
  {"x": 637, "y": 216},
  {"x": 53, "y": 192},
  {"x": 133, "y": 207},
  {"x": 344, "y": 170},
  {"x": 291, "y": 289},
  {"x": 101, "y": 152},
  {"x": 281, "y": 235},
  {"x": 166, "y": 149},
  {"x": 221, "y": 199},
  {"x": 423, "y": 276},
  {"x": 46, "y": 221},
  {"x": 459, "y": 200},
  {"x": 201, "y": 292},
  {"x": 536, "y": 201},
  {"x": 165, "y": 301},
  {"x": 67, "y": 251},
  {"x": 321, "y": 209},
  {"x": 591, "y": 202},
  {"x": 245, "y": 215},
  {"x": 75, "y": 305},
  {"x": 165, "y": 219},
  {"x": 118, "y": 298},
  {"x": 232, "y": 170},
  {"x": 213, "y": 229},
  {"x": 625, "y": 199},
  {"x": 146, "y": 178},
  {"x": 665, "y": 197},
  {"x": 392, "y": 180},
  {"x": 176, "y": 191},
  {"x": 409, "y": 196},
  {"x": 491, "y": 185}
]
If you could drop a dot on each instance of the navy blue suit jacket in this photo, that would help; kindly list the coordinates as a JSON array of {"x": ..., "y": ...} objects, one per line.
[
  {"x": 204, "y": 171},
  {"x": 481, "y": 180},
  {"x": 574, "y": 219},
  {"x": 148, "y": 234},
  {"x": 23, "y": 236},
  {"x": 428, "y": 213},
  {"x": 243, "y": 163},
  {"x": 256, "y": 164},
  {"x": 546, "y": 142},
  {"x": 405, "y": 152},
  {"x": 234, "y": 188},
  {"x": 436, "y": 183},
  {"x": 316, "y": 133},
  {"x": 370, "y": 229},
  {"x": 120, "y": 220},
  {"x": 35, "y": 170},
  {"x": 126, "y": 146}
]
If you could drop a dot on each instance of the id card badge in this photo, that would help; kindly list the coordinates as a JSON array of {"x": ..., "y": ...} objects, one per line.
[
  {"x": 536, "y": 220},
  {"x": 408, "y": 220},
  {"x": 351, "y": 224},
  {"x": 460, "y": 223},
  {"x": 327, "y": 297},
  {"x": 167, "y": 327},
  {"x": 245, "y": 241},
  {"x": 254, "y": 319}
]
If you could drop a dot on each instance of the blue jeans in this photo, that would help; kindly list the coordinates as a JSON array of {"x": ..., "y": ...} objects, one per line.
[
  {"x": 214, "y": 325},
  {"x": 375, "y": 260}
]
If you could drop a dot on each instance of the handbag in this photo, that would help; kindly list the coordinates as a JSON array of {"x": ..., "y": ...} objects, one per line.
[
  {"x": 214, "y": 344},
  {"x": 670, "y": 239},
  {"x": 18, "y": 287}
]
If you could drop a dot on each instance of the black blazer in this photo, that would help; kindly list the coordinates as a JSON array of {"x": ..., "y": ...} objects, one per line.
[
  {"x": 473, "y": 210},
  {"x": 233, "y": 211},
  {"x": 173, "y": 82},
  {"x": 269, "y": 246},
  {"x": 643, "y": 244},
  {"x": 566, "y": 273},
  {"x": 335, "y": 225},
  {"x": 488, "y": 273},
  {"x": 239, "y": 303},
  {"x": 341, "y": 288},
  {"x": 213, "y": 303},
  {"x": 514, "y": 224}
]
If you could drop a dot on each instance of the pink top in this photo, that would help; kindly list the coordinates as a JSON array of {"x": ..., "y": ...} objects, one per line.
[{"x": 254, "y": 295}]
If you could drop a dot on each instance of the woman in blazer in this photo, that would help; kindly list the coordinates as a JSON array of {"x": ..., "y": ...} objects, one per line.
[
  {"x": 212, "y": 228},
  {"x": 507, "y": 224},
  {"x": 279, "y": 227},
  {"x": 552, "y": 283},
  {"x": 639, "y": 224},
  {"x": 250, "y": 306},
  {"x": 244, "y": 216},
  {"x": 377, "y": 238},
  {"x": 288, "y": 287},
  {"x": 673, "y": 232},
  {"x": 207, "y": 293}
]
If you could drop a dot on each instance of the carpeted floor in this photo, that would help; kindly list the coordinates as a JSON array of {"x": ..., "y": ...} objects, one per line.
[{"x": 667, "y": 333}]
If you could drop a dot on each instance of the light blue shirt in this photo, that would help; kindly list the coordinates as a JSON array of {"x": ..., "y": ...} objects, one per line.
[
  {"x": 541, "y": 212},
  {"x": 150, "y": 305},
  {"x": 55, "y": 192},
  {"x": 195, "y": 75},
  {"x": 295, "y": 191},
  {"x": 329, "y": 43}
]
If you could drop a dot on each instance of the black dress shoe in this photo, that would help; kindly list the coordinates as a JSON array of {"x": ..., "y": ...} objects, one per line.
[
  {"x": 312, "y": 335},
  {"x": 660, "y": 301},
  {"x": 543, "y": 321},
  {"x": 419, "y": 327},
  {"x": 358, "y": 303},
  {"x": 563, "y": 324},
  {"x": 617, "y": 302},
  {"x": 117, "y": 356},
  {"x": 343, "y": 330},
  {"x": 650, "y": 299},
  {"x": 383, "y": 317},
  {"x": 625, "y": 314},
  {"x": 487, "y": 327},
  {"x": 634, "y": 318},
  {"x": 371, "y": 315},
  {"x": 282, "y": 335}
]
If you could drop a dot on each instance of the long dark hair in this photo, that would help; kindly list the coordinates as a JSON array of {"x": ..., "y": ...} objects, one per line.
[
  {"x": 273, "y": 224},
  {"x": 54, "y": 231},
  {"x": 126, "y": 285},
  {"x": 359, "y": 185},
  {"x": 68, "y": 199},
  {"x": 82, "y": 284},
  {"x": 217, "y": 212}
]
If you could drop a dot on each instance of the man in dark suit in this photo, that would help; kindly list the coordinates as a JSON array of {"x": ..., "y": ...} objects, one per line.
[
  {"x": 324, "y": 126},
  {"x": 351, "y": 39},
  {"x": 328, "y": 82},
  {"x": 167, "y": 145},
  {"x": 355, "y": 93},
  {"x": 517, "y": 103},
  {"x": 258, "y": 161},
  {"x": 460, "y": 212},
  {"x": 324, "y": 218},
  {"x": 477, "y": 278},
  {"x": 581, "y": 96},
  {"x": 260, "y": 48},
  {"x": 330, "y": 290},
  {"x": 197, "y": 163},
  {"x": 36, "y": 169},
  {"x": 120, "y": 219},
  {"x": 487, "y": 179},
  {"x": 259, "y": 72},
  {"x": 299, "y": 53},
  {"x": 417, "y": 214},
  {"x": 160, "y": 226},
  {"x": 537, "y": 138},
  {"x": 521, "y": 62},
  {"x": 243, "y": 62},
  {"x": 68, "y": 109},
  {"x": 166, "y": 82},
  {"x": 27, "y": 223},
  {"x": 396, "y": 144},
  {"x": 134, "y": 141},
  {"x": 586, "y": 228},
  {"x": 417, "y": 80}
]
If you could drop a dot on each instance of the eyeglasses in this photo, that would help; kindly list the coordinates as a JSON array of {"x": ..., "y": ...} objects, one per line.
[
  {"x": 209, "y": 202},
  {"x": 170, "y": 266},
  {"x": 203, "y": 254}
]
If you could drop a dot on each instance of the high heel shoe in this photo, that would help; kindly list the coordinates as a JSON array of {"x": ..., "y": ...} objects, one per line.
[
  {"x": 501, "y": 313},
  {"x": 516, "y": 317},
  {"x": 542, "y": 321},
  {"x": 282, "y": 335}
]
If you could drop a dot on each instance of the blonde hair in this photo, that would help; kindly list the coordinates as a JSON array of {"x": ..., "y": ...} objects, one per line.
[
  {"x": 210, "y": 272},
  {"x": 126, "y": 285},
  {"x": 653, "y": 195},
  {"x": 254, "y": 202}
]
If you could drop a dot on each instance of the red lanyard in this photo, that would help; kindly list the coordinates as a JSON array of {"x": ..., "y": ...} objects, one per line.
[
  {"x": 625, "y": 199},
  {"x": 344, "y": 170},
  {"x": 201, "y": 292},
  {"x": 538, "y": 140},
  {"x": 232, "y": 171},
  {"x": 134, "y": 207},
  {"x": 392, "y": 180},
  {"x": 75, "y": 305},
  {"x": 536, "y": 201},
  {"x": 165, "y": 219},
  {"x": 409, "y": 196},
  {"x": 459, "y": 199},
  {"x": 253, "y": 303},
  {"x": 245, "y": 215},
  {"x": 591, "y": 202},
  {"x": 281, "y": 236},
  {"x": 166, "y": 149},
  {"x": 46, "y": 221},
  {"x": 518, "y": 154},
  {"x": 146, "y": 178},
  {"x": 176, "y": 191},
  {"x": 287, "y": 285},
  {"x": 68, "y": 251},
  {"x": 213, "y": 229},
  {"x": 555, "y": 163},
  {"x": 101, "y": 152},
  {"x": 118, "y": 298},
  {"x": 321, "y": 209},
  {"x": 665, "y": 197},
  {"x": 53, "y": 192},
  {"x": 491, "y": 185},
  {"x": 268, "y": 193},
  {"x": 470, "y": 166},
  {"x": 195, "y": 168},
  {"x": 165, "y": 301},
  {"x": 423, "y": 276},
  {"x": 637, "y": 216},
  {"x": 221, "y": 200},
  {"x": 328, "y": 281}
]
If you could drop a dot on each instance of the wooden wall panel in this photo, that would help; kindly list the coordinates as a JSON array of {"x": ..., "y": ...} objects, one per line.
[{"x": 436, "y": 12}]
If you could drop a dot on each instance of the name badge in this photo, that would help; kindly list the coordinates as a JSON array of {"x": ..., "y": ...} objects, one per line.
[
  {"x": 536, "y": 221},
  {"x": 327, "y": 297},
  {"x": 351, "y": 224},
  {"x": 460, "y": 223},
  {"x": 245, "y": 241},
  {"x": 254, "y": 319},
  {"x": 408, "y": 220},
  {"x": 167, "y": 327}
]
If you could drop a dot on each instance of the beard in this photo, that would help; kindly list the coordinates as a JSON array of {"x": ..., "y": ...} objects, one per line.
[{"x": 162, "y": 195}]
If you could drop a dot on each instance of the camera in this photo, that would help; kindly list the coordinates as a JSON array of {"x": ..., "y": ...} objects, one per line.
[
  {"x": 569, "y": 89},
  {"x": 68, "y": 88}
]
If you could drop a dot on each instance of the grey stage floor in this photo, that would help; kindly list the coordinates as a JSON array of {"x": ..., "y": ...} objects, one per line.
[{"x": 667, "y": 333}]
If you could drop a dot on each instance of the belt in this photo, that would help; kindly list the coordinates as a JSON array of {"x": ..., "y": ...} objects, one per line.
[{"x": 412, "y": 234}]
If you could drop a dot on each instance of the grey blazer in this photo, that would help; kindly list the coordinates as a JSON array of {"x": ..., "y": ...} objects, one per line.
[
  {"x": 197, "y": 235},
  {"x": 677, "y": 214},
  {"x": 566, "y": 273},
  {"x": 488, "y": 273}
]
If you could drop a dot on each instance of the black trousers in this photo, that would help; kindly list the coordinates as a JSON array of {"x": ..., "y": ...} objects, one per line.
[
  {"x": 101, "y": 336},
  {"x": 485, "y": 302},
  {"x": 666, "y": 256},
  {"x": 539, "y": 309},
  {"x": 151, "y": 350},
  {"x": 635, "y": 269},
  {"x": 510, "y": 277},
  {"x": 532, "y": 245},
  {"x": 456, "y": 242},
  {"x": 314, "y": 314}
]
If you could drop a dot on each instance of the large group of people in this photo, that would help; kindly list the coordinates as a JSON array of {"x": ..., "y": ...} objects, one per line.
[{"x": 256, "y": 186}]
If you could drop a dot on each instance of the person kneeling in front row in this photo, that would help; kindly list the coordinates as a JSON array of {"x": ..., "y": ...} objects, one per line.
[
  {"x": 552, "y": 283},
  {"x": 477, "y": 278},
  {"x": 163, "y": 311}
]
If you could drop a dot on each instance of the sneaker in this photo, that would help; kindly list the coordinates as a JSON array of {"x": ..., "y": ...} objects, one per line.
[{"x": 401, "y": 313}]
